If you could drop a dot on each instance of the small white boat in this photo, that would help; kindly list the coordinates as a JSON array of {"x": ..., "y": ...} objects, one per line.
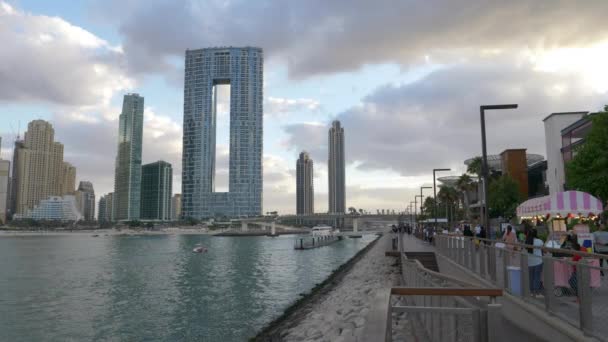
[
  {"x": 199, "y": 249},
  {"x": 323, "y": 230}
]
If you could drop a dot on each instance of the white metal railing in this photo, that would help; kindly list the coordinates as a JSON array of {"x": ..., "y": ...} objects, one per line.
[
  {"x": 435, "y": 306},
  {"x": 576, "y": 292}
]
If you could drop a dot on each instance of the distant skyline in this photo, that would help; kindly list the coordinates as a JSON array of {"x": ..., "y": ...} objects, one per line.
[{"x": 406, "y": 89}]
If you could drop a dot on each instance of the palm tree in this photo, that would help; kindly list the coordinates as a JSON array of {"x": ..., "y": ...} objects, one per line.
[
  {"x": 465, "y": 184},
  {"x": 449, "y": 196},
  {"x": 474, "y": 167}
]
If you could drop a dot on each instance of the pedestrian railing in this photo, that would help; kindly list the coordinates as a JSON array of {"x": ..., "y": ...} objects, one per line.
[
  {"x": 433, "y": 307},
  {"x": 576, "y": 292}
]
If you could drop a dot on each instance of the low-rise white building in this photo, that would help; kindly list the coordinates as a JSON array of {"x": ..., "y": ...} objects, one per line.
[
  {"x": 554, "y": 124},
  {"x": 55, "y": 208}
]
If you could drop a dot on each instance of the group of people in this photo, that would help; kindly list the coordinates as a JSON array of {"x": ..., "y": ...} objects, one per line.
[{"x": 535, "y": 255}]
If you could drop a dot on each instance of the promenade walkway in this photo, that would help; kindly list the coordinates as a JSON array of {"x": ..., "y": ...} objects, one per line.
[{"x": 524, "y": 320}]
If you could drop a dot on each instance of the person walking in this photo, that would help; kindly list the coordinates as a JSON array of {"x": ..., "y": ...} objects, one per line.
[
  {"x": 510, "y": 239},
  {"x": 535, "y": 263}
]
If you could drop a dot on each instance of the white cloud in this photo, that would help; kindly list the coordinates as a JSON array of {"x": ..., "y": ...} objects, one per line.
[
  {"x": 278, "y": 106},
  {"x": 47, "y": 59}
]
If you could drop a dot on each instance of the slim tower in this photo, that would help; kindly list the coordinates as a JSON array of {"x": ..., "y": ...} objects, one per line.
[
  {"x": 336, "y": 169},
  {"x": 127, "y": 178},
  {"x": 304, "y": 185},
  {"x": 242, "y": 69}
]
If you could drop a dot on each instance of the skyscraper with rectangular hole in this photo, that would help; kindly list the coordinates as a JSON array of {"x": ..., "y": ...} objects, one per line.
[{"x": 205, "y": 69}]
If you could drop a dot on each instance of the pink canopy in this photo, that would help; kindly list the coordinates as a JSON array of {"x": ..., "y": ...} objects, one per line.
[{"x": 561, "y": 203}]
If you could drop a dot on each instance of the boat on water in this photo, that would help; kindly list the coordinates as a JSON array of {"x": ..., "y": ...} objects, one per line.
[
  {"x": 323, "y": 230},
  {"x": 199, "y": 249}
]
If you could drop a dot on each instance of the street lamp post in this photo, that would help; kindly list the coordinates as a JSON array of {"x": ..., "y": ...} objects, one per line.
[
  {"x": 422, "y": 197},
  {"x": 415, "y": 210},
  {"x": 435, "y": 194},
  {"x": 411, "y": 211},
  {"x": 484, "y": 157}
]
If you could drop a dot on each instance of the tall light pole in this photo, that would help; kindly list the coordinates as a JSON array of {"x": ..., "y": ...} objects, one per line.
[
  {"x": 484, "y": 158},
  {"x": 435, "y": 194},
  {"x": 411, "y": 210},
  {"x": 422, "y": 197},
  {"x": 415, "y": 202}
]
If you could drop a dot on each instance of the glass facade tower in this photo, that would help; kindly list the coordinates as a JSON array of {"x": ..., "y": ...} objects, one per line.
[
  {"x": 336, "y": 169},
  {"x": 242, "y": 70},
  {"x": 127, "y": 179},
  {"x": 156, "y": 188},
  {"x": 304, "y": 185}
]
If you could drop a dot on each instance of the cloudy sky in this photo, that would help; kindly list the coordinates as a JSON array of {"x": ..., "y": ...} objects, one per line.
[{"x": 405, "y": 77}]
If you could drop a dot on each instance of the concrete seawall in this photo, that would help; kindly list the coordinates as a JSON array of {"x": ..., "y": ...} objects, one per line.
[{"x": 336, "y": 309}]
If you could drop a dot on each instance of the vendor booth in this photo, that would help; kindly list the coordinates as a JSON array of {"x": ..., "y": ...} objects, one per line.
[{"x": 556, "y": 209}]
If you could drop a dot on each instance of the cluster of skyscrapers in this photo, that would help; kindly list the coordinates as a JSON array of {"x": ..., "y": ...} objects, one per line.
[
  {"x": 140, "y": 192},
  {"x": 336, "y": 175},
  {"x": 42, "y": 182},
  {"x": 41, "y": 185}
]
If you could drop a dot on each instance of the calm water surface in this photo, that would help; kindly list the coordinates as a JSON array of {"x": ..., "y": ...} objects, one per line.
[{"x": 153, "y": 288}]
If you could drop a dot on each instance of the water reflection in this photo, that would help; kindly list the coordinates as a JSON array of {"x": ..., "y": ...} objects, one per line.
[{"x": 153, "y": 287}]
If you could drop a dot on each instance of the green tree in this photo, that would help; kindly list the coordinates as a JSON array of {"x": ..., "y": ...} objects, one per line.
[
  {"x": 448, "y": 198},
  {"x": 504, "y": 197},
  {"x": 588, "y": 170},
  {"x": 474, "y": 167}
]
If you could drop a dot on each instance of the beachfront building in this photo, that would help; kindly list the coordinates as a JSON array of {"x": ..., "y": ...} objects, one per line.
[
  {"x": 206, "y": 70},
  {"x": 156, "y": 188},
  {"x": 127, "y": 178},
  {"x": 336, "y": 169},
  {"x": 305, "y": 204},
  {"x": 554, "y": 124},
  {"x": 39, "y": 169},
  {"x": 176, "y": 207},
  {"x": 85, "y": 200},
  {"x": 54, "y": 208}
]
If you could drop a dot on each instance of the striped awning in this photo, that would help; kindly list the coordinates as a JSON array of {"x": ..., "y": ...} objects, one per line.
[{"x": 561, "y": 203}]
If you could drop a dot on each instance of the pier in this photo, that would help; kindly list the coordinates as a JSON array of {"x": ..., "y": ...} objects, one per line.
[{"x": 316, "y": 242}]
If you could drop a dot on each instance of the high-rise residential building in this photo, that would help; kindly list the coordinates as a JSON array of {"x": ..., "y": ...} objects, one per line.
[
  {"x": 68, "y": 179},
  {"x": 19, "y": 144},
  {"x": 39, "y": 165},
  {"x": 102, "y": 209},
  {"x": 554, "y": 124},
  {"x": 205, "y": 70},
  {"x": 85, "y": 200},
  {"x": 5, "y": 168},
  {"x": 127, "y": 179},
  {"x": 336, "y": 171},
  {"x": 109, "y": 214},
  {"x": 304, "y": 185},
  {"x": 176, "y": 207},
  {"x": 156, "y": 188}
]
